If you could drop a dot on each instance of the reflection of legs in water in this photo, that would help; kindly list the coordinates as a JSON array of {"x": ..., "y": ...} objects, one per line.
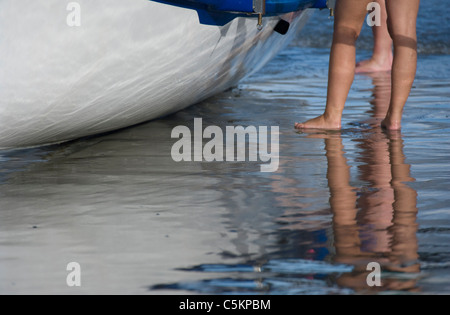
[
  {"x": 396, "y": 205},
  {"x": 382, "y": 49},
  {"x": 404, "y": 242},
  {"x": 342, "y": 201},
  {"x": 346, "y": 231},
  {"x": 383, "y": 229},
  {"x": 376, "y": 200}
]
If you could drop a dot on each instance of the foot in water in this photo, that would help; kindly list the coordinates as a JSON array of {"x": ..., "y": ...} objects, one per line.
[{"x": 320, "y": 123}]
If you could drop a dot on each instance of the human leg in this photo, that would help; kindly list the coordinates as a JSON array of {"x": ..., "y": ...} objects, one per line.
[
  {"x": 349, "y": 19},
  {"x": 402, "y": 18},
  {"x": 382, "y": 55}
]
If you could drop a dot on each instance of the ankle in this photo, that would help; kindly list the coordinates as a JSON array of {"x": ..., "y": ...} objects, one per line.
[
  {"x": 393, "y": 120},
  {"x": 333, "y": 119},
  {"x": 394, "y": 116}
]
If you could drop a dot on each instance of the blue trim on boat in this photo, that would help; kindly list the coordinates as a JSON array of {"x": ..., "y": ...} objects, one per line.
[
  {"x": 205, "y": 14},
  {"x": 286, "y": 6},
  {"x": 320, "y": 4},
  {"x": 220, "y": 12}
]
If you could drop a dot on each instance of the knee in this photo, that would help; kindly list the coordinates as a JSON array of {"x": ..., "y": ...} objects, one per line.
[
  {"x": 404, "y": 40},
  {"x": 403, "y": 35},
  {"x": 345, "y": 34}
]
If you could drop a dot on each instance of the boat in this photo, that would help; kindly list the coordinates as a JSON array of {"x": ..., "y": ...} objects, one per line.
[{"x": 75, "y": 69}]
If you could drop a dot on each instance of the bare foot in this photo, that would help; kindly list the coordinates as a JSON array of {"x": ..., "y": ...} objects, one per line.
[
  {"x": 320, "y": 123},
  {"x": 373, "y": 65},
  {"x": 391, "y": 124}
]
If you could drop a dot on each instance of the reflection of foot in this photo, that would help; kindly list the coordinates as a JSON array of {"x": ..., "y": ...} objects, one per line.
[
  {"x": 372, "y": 65},
  {"x": 320, "y": 123}
]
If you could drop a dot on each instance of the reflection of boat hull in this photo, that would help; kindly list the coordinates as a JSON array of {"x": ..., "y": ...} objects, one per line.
[{"x": 127, "y": 63}]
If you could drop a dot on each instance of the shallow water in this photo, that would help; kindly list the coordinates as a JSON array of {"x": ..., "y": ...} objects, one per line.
[{"x": 138, "y": 222}]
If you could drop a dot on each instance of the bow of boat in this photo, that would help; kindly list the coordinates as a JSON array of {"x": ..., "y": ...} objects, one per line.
[{"x": 125, "y": 63}]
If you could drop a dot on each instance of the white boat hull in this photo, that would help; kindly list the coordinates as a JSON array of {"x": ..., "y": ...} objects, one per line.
[{"x": 128, "y": 62}]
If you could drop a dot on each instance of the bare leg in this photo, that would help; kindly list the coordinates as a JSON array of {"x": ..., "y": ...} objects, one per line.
[
  {"x": 350, "y": 16},
  {"x": 402, "y": 18},
  {"x": 382, "y": 56}
]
